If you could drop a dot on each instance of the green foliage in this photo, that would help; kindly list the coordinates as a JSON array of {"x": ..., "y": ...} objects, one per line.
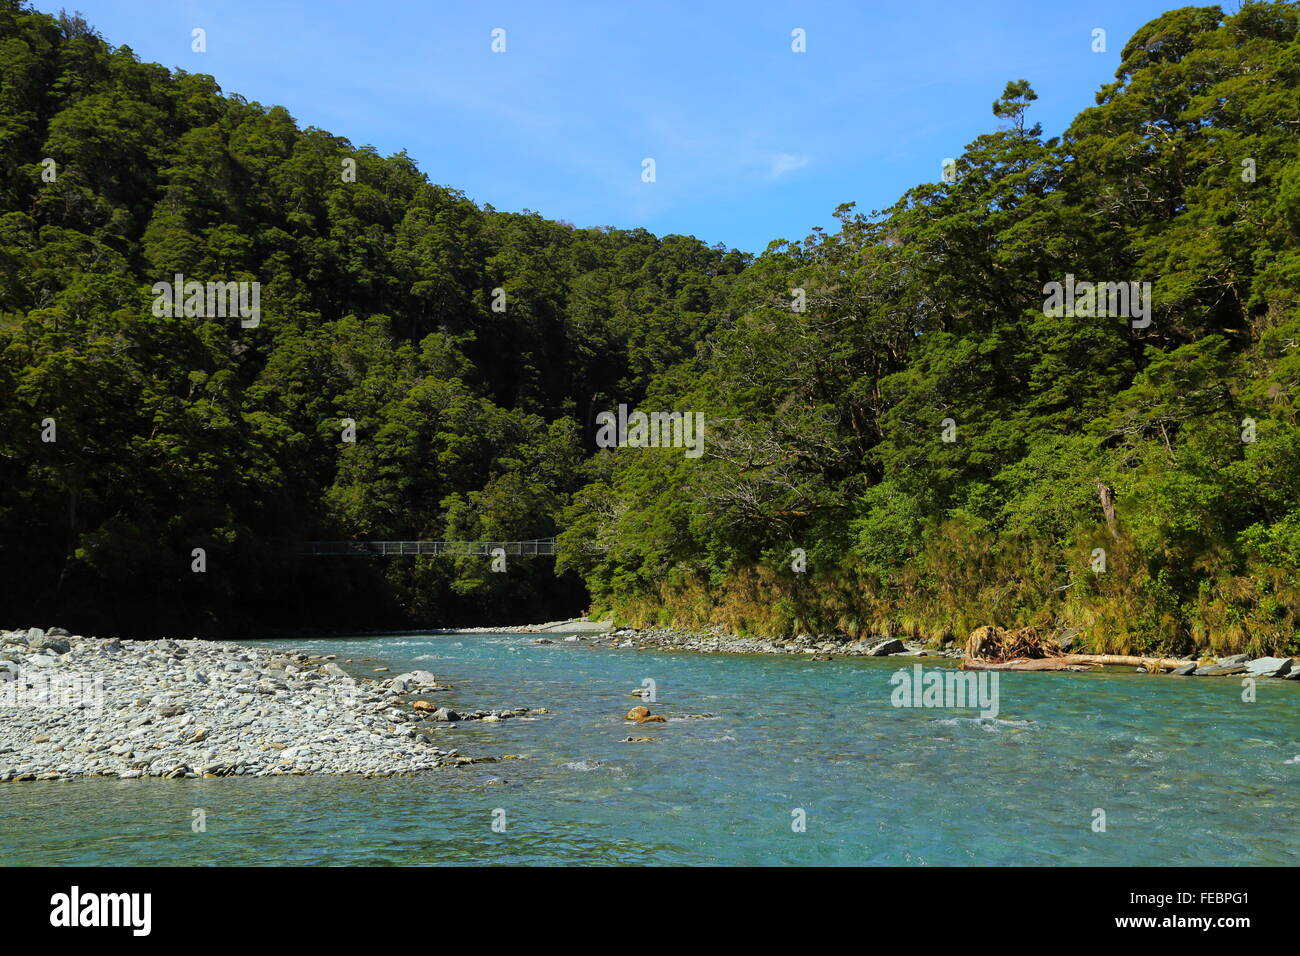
[
  {"x": 941, "y": 451},
  {"x": 377, "y": 300},
  {"x": 828, "y": 425}
]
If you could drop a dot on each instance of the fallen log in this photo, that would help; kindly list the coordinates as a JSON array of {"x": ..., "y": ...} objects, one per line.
[
  {"x": 1024, "y": 664},
  {"x": 1034, "y": 649},
  {"x": 1072, "y": 662},
  {"x": 1153, "y": 664}
]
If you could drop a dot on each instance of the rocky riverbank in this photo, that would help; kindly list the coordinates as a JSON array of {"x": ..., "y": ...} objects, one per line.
[
  {"x": 73, "y": 706},
  {"x": 571, "y": 625},
  {"x": 718, "y": 642},
  {"x": 825, "y": 647}
]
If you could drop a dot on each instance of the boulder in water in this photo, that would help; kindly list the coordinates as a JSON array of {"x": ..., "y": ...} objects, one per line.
[
  {"x": 1219, "y": 670},
  {"x": 1269, "y": 667},
  {"x": 891, "y": 646},
  {"x": 417, "y": 678}
]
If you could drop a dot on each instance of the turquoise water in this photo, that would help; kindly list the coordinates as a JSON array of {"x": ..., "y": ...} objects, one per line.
[{"x": 1186, "y": 772}]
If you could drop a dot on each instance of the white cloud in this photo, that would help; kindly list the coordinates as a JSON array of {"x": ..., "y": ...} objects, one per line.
[{"x": 782, "y": 163}]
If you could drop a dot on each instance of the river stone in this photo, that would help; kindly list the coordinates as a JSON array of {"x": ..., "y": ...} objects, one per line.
[
  {"x": 1233, "y": 659},
  {"x": 417, "y": 678},
  {"x": 445, "y": 713},
  {"x": 1219, "y": 670},
  {"x": 1269, "y": 667},
  {"x": 886, "y": 647},
  {"x": 38, "y": 640},
  {"x": 1185, "y": 671}
]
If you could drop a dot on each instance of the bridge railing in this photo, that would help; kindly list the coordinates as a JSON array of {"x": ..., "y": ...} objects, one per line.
[{"x": 537, "y": 546}]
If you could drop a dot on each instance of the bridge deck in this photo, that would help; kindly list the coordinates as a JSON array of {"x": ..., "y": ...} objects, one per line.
[{"x": 538, "y": 546}]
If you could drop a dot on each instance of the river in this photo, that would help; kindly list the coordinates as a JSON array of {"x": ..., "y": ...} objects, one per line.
[{"x": 802, "y": 762}]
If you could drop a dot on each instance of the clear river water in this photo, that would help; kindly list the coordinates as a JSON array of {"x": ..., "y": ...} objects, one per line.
[{"x": 802, "y": 762}]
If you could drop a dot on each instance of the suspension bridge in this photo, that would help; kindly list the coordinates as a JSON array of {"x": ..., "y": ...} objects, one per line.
[{"x": 382, "y": 549}]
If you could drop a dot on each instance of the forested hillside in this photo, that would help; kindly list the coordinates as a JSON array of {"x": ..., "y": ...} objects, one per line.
[
  {"x": 377, "y": 305},
  {"x": 927, "y": 321},
  {"x": 891, "y": 408}
]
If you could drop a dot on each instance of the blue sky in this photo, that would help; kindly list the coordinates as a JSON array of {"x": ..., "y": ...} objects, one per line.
[{"x": 752, "y": 142}]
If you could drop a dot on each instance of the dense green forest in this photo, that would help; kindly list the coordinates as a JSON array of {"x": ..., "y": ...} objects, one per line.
[
  {"x": 376, "y": 299},
  {"x": 901, "y": 436}
]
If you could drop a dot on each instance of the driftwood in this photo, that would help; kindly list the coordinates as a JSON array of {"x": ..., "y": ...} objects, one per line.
[
  {"x": 1021, "y": 664},
  {"x": 1071, "y": 662},
  {"x": 996, "y": 644},
  {"x": 1032, "y": 649},
  {"x": 1150, "y": 663}
]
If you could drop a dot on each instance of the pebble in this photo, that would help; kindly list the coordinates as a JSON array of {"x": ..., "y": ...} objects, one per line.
[
  {"x": 73, "y": 706},
  {"x": 818, "y": 647}
]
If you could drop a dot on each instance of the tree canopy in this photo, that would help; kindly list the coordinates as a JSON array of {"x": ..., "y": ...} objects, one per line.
[{"x": 893, "y": 401}]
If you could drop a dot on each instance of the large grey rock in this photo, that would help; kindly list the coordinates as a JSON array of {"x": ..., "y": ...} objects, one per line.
[
  {"x": 39, "y": 640},
  {"x": 1220, "y": 670},
  {"x": 445, "y": 713},
  {"x": 1269, "y": 667},
  {"x": 417, "y": 678},
  {"x": 1185, "y": 671},
  {"x": 1232, "y": 659},
  {"x": 885, "y": 648}
]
